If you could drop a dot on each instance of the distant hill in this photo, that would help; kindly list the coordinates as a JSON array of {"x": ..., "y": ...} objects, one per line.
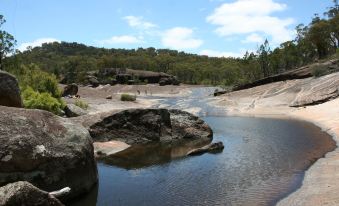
[{"x": 62, "y": 58}]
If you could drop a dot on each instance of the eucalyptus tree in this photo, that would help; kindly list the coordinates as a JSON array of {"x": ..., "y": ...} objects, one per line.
[{"x": 7, "y": 42}]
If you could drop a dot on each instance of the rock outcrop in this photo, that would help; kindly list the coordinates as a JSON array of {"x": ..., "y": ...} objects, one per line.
[
  {"x": 71, "y": 89},
  {"x": 46, "y": 150},
  {"x": 124, "y": 76},
  {"x": 71, "y": 110},
  {"x": 300, "y": 73},
  {"x": 135, "y": 126},
  {"x": 24, "y": 193},
  {"x": 169, "y": 81},
  {"x": 9, "y": 90},
  {"x": 318, "y": 91}
]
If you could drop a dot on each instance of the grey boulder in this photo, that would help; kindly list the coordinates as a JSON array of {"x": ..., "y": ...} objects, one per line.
[
  {"x": 46, "y": 150},
  {"x": 9, "y": 90},
  {"x": 70, "y": 90},
  {"x": 24, "y": 193},
  {"x": 136, "y": 126},
  {"x": 71, "y": 110}
]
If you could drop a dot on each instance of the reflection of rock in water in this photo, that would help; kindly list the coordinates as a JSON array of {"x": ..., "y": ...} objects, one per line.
[
  {"x": 89, "y": 199},
  {"x": 145, "y": 155}
]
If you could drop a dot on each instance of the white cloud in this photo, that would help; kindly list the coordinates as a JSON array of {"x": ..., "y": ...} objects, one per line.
[
  {"x": 139, "y": 22},
  {"x": 253, "y": 38},
  {"x": 124, "y": 39},
  {"x": 37, "y": 42},
  {"x": 213, "y": 53},
  {"x": 249, "y": 16},
  {"x": 180, "y": 38}
]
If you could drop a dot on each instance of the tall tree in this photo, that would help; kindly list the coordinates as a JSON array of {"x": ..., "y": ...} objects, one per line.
[
  {"x": 263, "y": 53},
  {"x": 7, "y": 42}
]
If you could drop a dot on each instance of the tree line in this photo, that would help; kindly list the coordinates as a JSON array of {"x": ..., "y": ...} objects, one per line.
[{"x": 315, "y": 41}]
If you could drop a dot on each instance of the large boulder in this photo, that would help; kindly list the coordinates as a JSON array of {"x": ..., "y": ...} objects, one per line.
[
  {"x": 71, "y": 110},
  {"x": 46, "y": 150},
  {"x": 24, "y": 193},
  {"x": 136, "y": 126},
  {"x": 70, "y": 90},
  {"x": 9, "y": 90}
]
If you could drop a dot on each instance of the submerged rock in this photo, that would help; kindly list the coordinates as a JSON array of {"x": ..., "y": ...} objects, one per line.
[
  {"x": 213, "y": 147},
  {"x": 49, "y": 151},
  {"x": 24, "y": 193},
  {"x": 9, "y": 90},
  {"x": 135, "y": 126},
  {"x": 71, "y": 89},
  {"x": 71, "y": 110}
]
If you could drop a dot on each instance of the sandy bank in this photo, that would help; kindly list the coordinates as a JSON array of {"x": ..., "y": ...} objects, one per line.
[
  {"x": 321, "y": 182},
  {"x": 96, "y": 97}
]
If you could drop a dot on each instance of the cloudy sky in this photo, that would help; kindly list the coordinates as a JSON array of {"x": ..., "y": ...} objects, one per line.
[{"x": 210, "y": 27}]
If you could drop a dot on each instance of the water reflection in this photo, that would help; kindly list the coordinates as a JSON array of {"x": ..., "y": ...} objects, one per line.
[{"x": 144, "y": 155}]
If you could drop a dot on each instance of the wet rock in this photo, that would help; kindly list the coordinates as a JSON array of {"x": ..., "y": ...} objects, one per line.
[
  {"x": 9, "y": 90},
  {"x": 48, "y": 151},
  {"x": 212, "y": 148},
  {"x": 135, "y": 126},
  {"x": 71, "y": 110},
  {"x": 24, "y": 193},
  {"x": 70, "y": 90}
]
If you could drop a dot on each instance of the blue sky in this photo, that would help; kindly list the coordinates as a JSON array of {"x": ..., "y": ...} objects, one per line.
[{"x": 211, "y": 27}]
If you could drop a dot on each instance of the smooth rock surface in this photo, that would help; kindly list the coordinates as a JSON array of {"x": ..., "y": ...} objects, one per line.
[
  {"x": 71, "y": 110},
  {"x": 135, "y": 126},
  {"x": 24, "y": 193},
  {"x": 317, "y": 91},
  {"x": 300, "y": 73},
  {"x": 49, "y": 151},
  {"x": 9, "y": 90}
]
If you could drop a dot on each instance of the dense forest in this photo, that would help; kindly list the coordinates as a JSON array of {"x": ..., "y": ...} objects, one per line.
[{"x": 318, "y": 40}]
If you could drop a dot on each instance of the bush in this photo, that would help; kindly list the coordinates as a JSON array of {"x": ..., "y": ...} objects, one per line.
[
  {"x": 44, "y": 101},
  {"x": 39, "y": 81},
  {"x": 319, "y": 70},
  {"x": 81, "y": 104},
  {"x": 128, "y": 97}
]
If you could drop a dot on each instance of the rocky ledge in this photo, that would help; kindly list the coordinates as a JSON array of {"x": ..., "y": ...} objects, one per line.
[
  {"x": 136, "y": 126},
  {"x": 46, "y": 150}
]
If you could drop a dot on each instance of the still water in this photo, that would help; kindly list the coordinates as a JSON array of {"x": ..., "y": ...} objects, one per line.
[{"x": 263, "y": 161}]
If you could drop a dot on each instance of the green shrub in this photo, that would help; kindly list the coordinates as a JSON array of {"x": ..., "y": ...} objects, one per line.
[
  {"x": 81, "y": 104},
  {"x": 319, "y": 70},
  {"x": 39, "y": 81},
  {"x": 44, "y": 101},
  {"x": 128, "y": 97}
]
